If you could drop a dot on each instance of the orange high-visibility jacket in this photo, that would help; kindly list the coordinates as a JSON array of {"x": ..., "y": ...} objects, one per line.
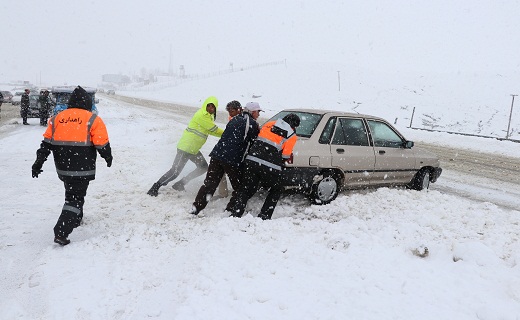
[
  {"x": 75, "y": 135},
  {"x": 274, "y": 144}
]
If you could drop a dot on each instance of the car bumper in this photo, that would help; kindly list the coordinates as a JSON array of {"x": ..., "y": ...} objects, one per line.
[{"x": 298, "y": 177}]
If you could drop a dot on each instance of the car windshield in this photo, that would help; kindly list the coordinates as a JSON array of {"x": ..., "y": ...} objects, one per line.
[
  {"x": 62, "y": 98},
  {"x": 308, "y": 122}
]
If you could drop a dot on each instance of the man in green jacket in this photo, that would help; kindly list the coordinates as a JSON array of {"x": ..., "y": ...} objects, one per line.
[{"x": 193, "y": 138}]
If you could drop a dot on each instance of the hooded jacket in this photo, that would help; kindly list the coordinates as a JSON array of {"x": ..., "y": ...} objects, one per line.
[
  {"x": 200, "y": 126},
  {"x": 74, "y": 136},
  {"x": 240, "y": 132}
]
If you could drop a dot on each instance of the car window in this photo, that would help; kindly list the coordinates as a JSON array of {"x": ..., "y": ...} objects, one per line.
[
  {"x": 308, "y": 122},
  {"x": 63, "y": 98},
  {"x": 350, "y": 132},
  {"x": 326, "y": 135},
  {"x": 384, "y": 135}
]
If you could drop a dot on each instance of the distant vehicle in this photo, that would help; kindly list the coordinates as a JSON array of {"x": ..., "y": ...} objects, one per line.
[
  {"x": 8, "y": 96},
  {"x": 109, "y": 92},
  {"x": 337, "y": 150},
  {"x": 61, "y": 95},
  {"x": 15, "y": 101}
]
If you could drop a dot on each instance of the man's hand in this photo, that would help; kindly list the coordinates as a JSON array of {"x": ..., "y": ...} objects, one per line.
[
  {"x": 35, "y": 173},
  {"x": 109, "y": 161},
  {"x": 36, "y": 169}
]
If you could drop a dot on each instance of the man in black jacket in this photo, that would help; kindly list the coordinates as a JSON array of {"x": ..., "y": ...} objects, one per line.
[
  {"x": 228, "y": 154},
  {"x": 24, "y": 106},
  {"x": 45, "y": 107}
]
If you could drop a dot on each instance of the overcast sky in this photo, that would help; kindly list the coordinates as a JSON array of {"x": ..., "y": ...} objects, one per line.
[{"x": 76, "y": 41}]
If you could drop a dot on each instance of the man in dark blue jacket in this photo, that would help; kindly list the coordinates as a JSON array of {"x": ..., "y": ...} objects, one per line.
[{"x": 228, "y": 154}]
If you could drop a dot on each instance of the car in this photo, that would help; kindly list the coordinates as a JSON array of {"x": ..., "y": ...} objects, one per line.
[
  {"x": 15, "y": 101},
  {"x": 61, "y": 95},
  {"x": 338, "y": 151},
  {"x": 111, "y": 92},
  {"x": 8, "y": 96}
]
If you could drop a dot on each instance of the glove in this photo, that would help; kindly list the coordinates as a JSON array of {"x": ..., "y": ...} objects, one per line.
[
  {"x": 36, "y": 169},
  {"x": 109, "y": 161}
]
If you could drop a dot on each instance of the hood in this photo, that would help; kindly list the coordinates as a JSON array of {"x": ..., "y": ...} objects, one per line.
[
  {"x": 80, "y": 99},
  {"x": 209, "y": 100}
]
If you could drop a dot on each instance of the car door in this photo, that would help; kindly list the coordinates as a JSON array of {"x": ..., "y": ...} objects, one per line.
[
  {"x": 394, "y": 163},
  {"x": 351, "y": 151}
]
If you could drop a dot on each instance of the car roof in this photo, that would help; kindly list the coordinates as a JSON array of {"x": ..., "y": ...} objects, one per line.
[
  {"x": 333, "y": 113},
  {"x": 69, "y": 89}
]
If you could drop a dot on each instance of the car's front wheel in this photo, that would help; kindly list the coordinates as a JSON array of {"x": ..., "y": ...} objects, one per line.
[
  {"x": 325, "y": 190},
  {"x": 421, "y": 181}
]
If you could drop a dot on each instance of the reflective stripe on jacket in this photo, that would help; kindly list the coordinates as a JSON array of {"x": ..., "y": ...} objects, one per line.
[
  {"x": 75, "y": 134},
  {"x": 274, "y": 144},
  {"x": 200, "y": 126}
]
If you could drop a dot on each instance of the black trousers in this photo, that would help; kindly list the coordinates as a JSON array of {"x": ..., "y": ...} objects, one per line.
[
  {"x": 44, "y": 115},
  {"x": 24, "y": 112},
  {"x": 252, "y": 174},
  {"x": 214, "y": 175},
  {"x": 72, "y": 212}
]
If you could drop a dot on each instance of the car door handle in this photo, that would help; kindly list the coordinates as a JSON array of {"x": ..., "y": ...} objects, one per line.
[
  {"x": 382, "y": 151},
  {"x": 339, "y": 150}
]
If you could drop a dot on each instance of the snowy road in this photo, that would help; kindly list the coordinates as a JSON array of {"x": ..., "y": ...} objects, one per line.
[{"x": 478, "y": 176}]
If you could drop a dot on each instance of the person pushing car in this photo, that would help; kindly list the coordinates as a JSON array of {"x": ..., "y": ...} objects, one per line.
[{"x": 193, "y": 138}]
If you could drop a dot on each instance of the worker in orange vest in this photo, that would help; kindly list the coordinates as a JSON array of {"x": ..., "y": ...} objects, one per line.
[
  {"x": 264, "y": 162},
  {"x": 74, "y": 136}
]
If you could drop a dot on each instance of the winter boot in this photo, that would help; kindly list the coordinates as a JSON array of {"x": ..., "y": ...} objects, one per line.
[
  {"x": 154, "y": 190},
  {"x": 194, "y": 211},
  {"x": 179, "y": 186},
  {"x": 61, "y": 241}
]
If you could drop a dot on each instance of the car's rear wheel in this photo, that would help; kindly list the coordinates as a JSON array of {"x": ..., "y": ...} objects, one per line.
[
  {"x": 325, "y": 190},
  {"x": 421, "y": 181}
]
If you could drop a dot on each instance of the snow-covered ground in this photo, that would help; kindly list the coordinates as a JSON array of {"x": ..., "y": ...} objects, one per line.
[{"x": 138, "y": 257}]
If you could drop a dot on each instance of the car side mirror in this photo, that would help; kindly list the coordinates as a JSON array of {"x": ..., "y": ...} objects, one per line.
[{"x": 408, "y": 144}]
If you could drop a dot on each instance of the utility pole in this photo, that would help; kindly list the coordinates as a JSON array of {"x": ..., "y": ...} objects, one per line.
[
  {"x": 339, "y": 82},
  {"x": 510, "y": 115}
]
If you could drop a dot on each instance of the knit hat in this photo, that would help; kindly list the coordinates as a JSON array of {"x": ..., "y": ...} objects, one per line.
[
  {"x": 292, "y": 119},
  {"x": 80, "y": 99}
]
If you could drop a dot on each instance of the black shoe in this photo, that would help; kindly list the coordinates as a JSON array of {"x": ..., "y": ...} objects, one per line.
[
  {"x": 194, "y": 211},
  {"x": 154, "y": 190},
  {"x": 25, "y": 123},
  {"x": 179, "y": 186},
  {"x": 235, "y": 215},
  {"x": 61, "y": 241}
]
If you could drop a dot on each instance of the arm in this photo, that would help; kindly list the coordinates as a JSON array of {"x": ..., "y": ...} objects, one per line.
[
  {"x": 99, "y": 137},
  {"x": 288, "y": 146},
  {"x": 41, "y": 157},
  {"x": 205, "y": 121}
]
